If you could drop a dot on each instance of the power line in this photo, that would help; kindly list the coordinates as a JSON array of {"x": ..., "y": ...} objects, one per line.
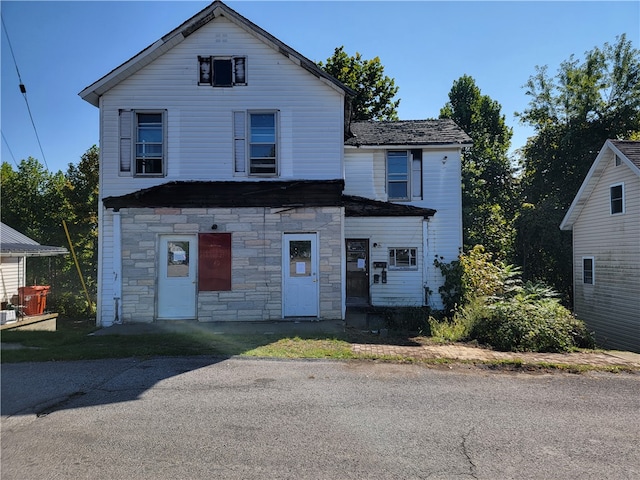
[
  {"x": 23, "y": 90},
  {"x": 9, "y": 148}
]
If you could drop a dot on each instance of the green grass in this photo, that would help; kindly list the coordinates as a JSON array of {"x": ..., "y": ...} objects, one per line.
[{"x": 73, "y": 341}]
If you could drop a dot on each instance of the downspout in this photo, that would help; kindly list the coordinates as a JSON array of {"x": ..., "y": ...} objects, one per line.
[
  {"x": 117, "y": 268},
  {"x": 426, "y": 268}
]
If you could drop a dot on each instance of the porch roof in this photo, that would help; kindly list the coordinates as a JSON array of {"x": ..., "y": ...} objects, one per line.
[
  {"x": 365, "y": 207},
  {"x": 227, "y": 194}
]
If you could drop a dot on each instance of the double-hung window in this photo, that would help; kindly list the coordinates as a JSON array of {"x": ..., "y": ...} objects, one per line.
[
  {"x": 256, "y": 143},
  {"x": 616, "y": 194},
  {"x": 398, "y": 175},
  {"x": 142, "y": 142},
  {"x": 404, "y": 175}
]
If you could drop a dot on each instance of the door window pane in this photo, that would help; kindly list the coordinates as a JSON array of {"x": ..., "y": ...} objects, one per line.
[
  {"x": 300, "y": 258},
  {"x": 178, "y": 259}
]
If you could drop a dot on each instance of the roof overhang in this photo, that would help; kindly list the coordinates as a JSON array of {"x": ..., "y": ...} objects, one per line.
[
  {"x": 21, "y": 250},
  {"x": 230, "y": 194},
  {"x": 355, "y": 206},
  {"x": 591, "y": 180},
  {"x": 409, "y": 146}
]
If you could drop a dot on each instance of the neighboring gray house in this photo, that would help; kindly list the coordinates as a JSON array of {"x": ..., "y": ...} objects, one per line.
[
  {"x": 605, "y": 220},
  {"x": 233, "y": 185}
]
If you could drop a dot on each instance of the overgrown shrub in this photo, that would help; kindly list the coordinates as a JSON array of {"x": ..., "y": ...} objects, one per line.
[
  {"x": 497, "y": 309},
  {"x": 541, "y": 325},
  {"x": 70, "y": 305}
]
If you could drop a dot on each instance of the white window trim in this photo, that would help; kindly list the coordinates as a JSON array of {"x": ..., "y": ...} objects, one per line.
[
  {"x": 593, "y": 270},
  {"x": 403, "y": 268},
  {"x": 248, "y": 144},
  {"x": 134, "y": 165},
  {"x": 128, "y": 135},
  {"x": 409, "y": 180},
  {"x": 621, "y": 184}
]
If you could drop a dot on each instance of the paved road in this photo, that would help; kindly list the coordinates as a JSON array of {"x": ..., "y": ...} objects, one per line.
[{"x": 201, "y": 418}]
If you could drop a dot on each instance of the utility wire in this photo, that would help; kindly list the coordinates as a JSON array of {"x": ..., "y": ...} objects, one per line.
[
  {"x": 9, "y": 148},
  {"x": 23, "y": 90}
]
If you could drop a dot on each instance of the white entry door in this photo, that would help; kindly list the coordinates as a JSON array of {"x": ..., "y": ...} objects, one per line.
[
  {"x": 300, "y": 275},
  {"x": 177, "y": 277}
]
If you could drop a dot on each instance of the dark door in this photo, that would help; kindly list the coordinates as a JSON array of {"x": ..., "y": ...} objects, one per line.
[{"x": 357, "y": 271}]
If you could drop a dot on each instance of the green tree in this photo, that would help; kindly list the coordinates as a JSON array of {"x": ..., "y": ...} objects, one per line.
[
  {"x": 375, "y": 91},
  {"x": 36, "y": 202},
  {"x": 488, "y": 199},
  {"x": 573, "y": 113}
]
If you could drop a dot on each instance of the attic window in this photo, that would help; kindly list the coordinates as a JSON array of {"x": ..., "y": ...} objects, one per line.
[
  {"x": 222, "y": 71},
  {"x": 618, "y": 161}
]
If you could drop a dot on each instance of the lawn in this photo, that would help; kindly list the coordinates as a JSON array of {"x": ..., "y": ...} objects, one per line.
[{"x": 73, "y": 341}]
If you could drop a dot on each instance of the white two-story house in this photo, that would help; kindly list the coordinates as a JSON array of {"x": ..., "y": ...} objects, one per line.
[{"x": 234, "y": 187}]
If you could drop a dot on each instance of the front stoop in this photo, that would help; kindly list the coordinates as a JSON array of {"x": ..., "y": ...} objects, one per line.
[{"x": 361, "y": 318}]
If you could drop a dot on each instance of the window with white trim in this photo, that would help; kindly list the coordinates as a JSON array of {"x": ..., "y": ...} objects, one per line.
[
  {"x": 404, "y": 175},
  {"x": 616, "y": 195},
  {"x": 255, "y": 136},
  {"x": 403, "y": 258},
  {"x": 588, "y": 270},
  {"x": 142, "y": 142},
  {"x": 222, "y": 71}
]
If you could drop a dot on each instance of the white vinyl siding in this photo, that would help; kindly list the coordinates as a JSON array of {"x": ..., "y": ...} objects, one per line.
[
  {"x": 610, "y": 306},
  {"x": 200, "y": 127},
  {"x": 12, "y": 276},
  {"x": 404, "y": 287}
]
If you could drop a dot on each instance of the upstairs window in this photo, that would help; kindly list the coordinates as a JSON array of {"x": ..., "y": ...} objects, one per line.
[
  {"x": 149, "y": 143},
  {"x": 404, "y": 175},
  {"x": 398, "y": 175},
  {"x": 616, "y": 195},
  {"x": 255, "y": 136},
  {"x": 142, "y": 142},
  {"x": 222, "y": 71}
]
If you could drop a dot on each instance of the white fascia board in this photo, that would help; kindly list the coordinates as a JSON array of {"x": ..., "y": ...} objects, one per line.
[
  {"x": 430, "y": 146},
  {"x": 586, "y": 189}
]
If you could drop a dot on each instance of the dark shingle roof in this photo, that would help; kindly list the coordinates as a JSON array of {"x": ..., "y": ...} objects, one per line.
[
  {"x": 226, "y": 194},
  {"x": 630, "y": 149},
  {"x": 408, "y": 132}
]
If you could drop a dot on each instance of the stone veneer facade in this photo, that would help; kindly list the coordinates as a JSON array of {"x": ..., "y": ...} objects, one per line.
[{"x": 256, "y": 250}]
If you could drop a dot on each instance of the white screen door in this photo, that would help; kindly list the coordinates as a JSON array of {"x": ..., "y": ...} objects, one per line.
[
  {"x": 300, "y": 275},
  {"x": 177, "y": 277}
]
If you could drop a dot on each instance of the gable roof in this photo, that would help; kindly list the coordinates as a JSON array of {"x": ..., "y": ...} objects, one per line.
[
  {"x": 15, "y": 244},
  {"x": 408, "y": 132},
  {"x": 217, "y": 9},
  {"x": 629, "y": 153}
]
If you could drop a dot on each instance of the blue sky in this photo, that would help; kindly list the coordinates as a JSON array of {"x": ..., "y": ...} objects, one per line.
[{"x": 62, "y": 47}]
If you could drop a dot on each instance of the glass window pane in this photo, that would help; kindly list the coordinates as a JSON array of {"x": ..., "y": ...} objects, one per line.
[
  {"x": 300, "y": 258},
  {"x": 178, "y": 259},
  {"x": 263, "y": 151},
  {"x": 398, "y": 190},
  {"x": 263, "y": 127}
]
